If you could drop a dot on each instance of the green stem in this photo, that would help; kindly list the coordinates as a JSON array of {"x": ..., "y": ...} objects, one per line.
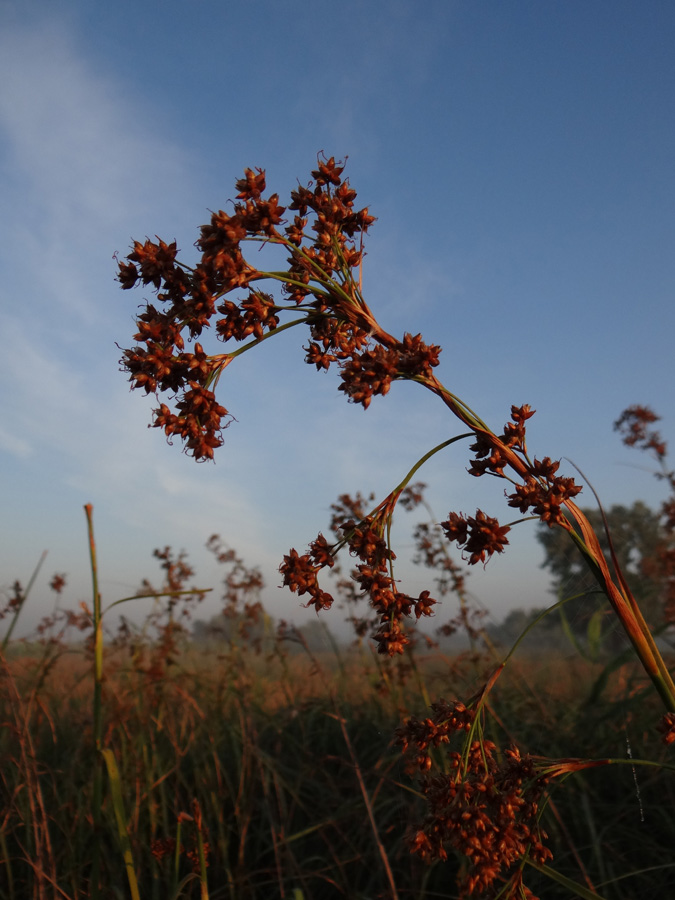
[
  {"x": 427, "y": 456},
  {"x": 120, "y": 818},
  {"x": 269, "y": 334},
  {"x": 321, "y": 276},
  {"x": 456, "y": 404},
  {"x": 635, "y": 627},
  {"x": 400, "y": 487},
  {"x": 156, "y": 595},
  {"x": 97, "y": 801},
  {"x": 577, "y": 890},
  {"x": 538, "y": 619},
  {"x": 630, "y": 614},
  {"x": 176, "y": 860},
  {"x": 285, "y": 278}
]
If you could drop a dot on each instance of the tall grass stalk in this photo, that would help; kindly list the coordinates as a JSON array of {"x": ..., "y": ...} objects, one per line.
[
  {"x": 97, "y": 759},
  {"x": 120, "y": 818},
  {"x": 369, "y": 808},
  {"x": 22, "y": 601}
]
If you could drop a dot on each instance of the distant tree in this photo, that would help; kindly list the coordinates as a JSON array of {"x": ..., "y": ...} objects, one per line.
[
  {"x": 546, "y": 635},
  {"x": 636, "y": 532},
  {"x": 315, "y": 635},
  {"x": 312, "y": 637},
  {"x": 232, "y": 627}
]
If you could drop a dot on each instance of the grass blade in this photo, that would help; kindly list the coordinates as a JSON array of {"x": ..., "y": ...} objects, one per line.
[{"x": 118, "y": 806}]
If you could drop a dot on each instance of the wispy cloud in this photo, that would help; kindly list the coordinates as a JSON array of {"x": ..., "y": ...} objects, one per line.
[
  {"x": 73, "y": 133},
  {"x": 81, "y": 166},
  {"x": 14, "y": 444},
  {"x": 80, "y": 170}
]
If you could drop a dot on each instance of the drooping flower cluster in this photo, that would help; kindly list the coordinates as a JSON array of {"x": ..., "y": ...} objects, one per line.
[
  {"x": 372, "y": 371},
  {"x": 241, "y": 595},
  {"x": 492, "y": 452},
  {"x": 300, "y": 572},
  {"x": 544, "y": 492},
  {"x": 14, "y": 601},
  {"x": 483, "y": 806},
  {"x": 481, "y": 536},
  {"x": 373, "y": 575},
  {"x": 319, "y": 282},
  {"x": 487, "y": 806}
]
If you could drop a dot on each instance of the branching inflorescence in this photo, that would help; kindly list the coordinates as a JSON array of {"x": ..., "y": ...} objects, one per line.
[{"x": 322, "y": 233}]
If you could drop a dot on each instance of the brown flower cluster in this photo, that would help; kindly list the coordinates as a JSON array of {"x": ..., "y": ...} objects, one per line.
[
  {"x": 432, "y": 552},
  {"x": 53, "y": 628},
  {"x": 363, "y": 620},
  {"x": 158, "y": 647},
  {"x": 634, "y": 424},
  {"x": 544, "y": 492},
  {"x": 163, "y": 847},
  {"x": 241, "y": 596},
  {"x": 371, "y": 372},
  {"x": 667, "y": 728},
  {"x": 58, "y": 583},
  {"x": 480, "y": 536},
  {"x": 373, "y": 576},
  {"x": 14, "y": 601},
  {"x": 447, "y": 719},
  {"x": 300, "y": 572},
  {"x": 319, "y": 280},
  {"x": 492, "y": 452},
  {"x": 486, "y": 807}
]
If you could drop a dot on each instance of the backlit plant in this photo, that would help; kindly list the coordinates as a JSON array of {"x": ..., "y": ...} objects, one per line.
[{"x": 485, "y": 803}]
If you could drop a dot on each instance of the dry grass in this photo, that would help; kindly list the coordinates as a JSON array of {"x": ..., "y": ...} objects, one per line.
[{"x": 284, "y": 797}]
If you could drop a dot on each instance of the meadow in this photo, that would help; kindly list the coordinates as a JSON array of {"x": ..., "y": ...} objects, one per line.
[{"x": 244, "y": 774}]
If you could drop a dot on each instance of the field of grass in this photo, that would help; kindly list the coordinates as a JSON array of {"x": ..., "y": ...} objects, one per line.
[
  {"x": 282, "y": 771},
  {"x": 150, "y": 766}
]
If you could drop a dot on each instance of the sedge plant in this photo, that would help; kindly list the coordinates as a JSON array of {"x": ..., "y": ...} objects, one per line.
[{"x": 484, "y": 802}]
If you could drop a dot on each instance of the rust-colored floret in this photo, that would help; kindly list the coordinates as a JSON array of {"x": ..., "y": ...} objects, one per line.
[
  {"x": 481, "y": 536},
  {"x": 667, "y": 728},
  {"x": 484, "y": 807}
]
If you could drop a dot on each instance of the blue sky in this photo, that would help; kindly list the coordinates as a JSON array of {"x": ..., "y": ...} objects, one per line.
[{"x": 519, "y": 158}]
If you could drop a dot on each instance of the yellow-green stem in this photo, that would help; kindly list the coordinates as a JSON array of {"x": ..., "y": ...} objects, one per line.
[
  {"x": 97, "y": 800},
  {"x": 576, "y": 890},
  {"x": 633, "y": 623}
]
